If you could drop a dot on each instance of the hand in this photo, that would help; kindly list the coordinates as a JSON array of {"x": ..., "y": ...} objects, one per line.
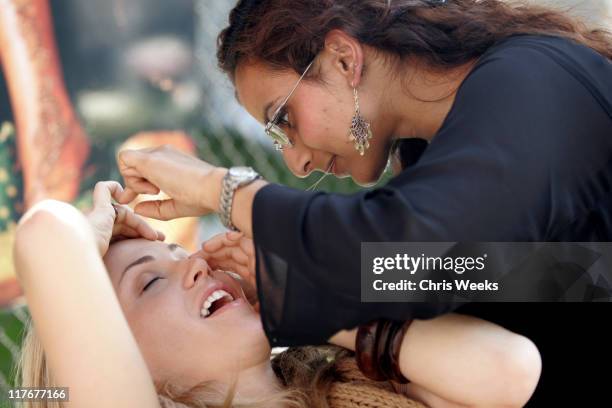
[
  {"x": 249, "y": 290},
  {"x": 194, "y": 186},
  {"x": 115, "y": 222},
  {"x": 233, "y": 251}
]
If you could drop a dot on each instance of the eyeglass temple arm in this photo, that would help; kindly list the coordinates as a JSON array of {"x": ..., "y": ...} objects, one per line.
[{"x": 290, "y": 93}]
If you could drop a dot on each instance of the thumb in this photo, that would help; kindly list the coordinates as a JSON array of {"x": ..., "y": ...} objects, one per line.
[
  {"x": 165, "y": 209},
  {"x": 104, "y": 192}
]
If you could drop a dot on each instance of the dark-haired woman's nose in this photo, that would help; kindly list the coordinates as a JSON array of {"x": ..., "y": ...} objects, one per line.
[
  {"x": 197, "y": 269},
  {"x": 299, "y": 160}
]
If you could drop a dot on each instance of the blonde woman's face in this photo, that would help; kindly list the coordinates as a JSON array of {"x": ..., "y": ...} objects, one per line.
[{"x": 162, "y": 290}]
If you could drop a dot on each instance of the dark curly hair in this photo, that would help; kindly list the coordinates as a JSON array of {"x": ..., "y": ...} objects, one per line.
[
  {"x": 288, "y": 34},
  {"x": 444, "y": 34}
]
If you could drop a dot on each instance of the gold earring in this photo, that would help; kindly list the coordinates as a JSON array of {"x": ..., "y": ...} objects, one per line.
[{"x": 360, "y": 131}]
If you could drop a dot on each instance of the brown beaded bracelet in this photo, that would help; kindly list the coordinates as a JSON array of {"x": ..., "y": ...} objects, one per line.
[
  {"x": 377, "y": 349},
  {"x": 393, "y": 353},
  {"x": 365, "y": 350},
  {"x": 385, "y": 333}
]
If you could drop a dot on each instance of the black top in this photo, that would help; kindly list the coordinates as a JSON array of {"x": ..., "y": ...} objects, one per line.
[{"x": 525, "y": 154}]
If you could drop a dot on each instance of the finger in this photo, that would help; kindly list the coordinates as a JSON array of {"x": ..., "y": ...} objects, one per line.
[
  {"x": 127, "y": 196},
  {"x": 213, "y": 241},
  {"x": 239, "y": 256},
  {"x": 234, "y": 235},
  {"x": 141, "y": 185},
  {"x": 229, "y": 265},
  {"x": 125, "y": 216},
  {"x": 137, "y": 223},
  {"x": 130, "y": 161},
  {"x": 234, "y": 253},
  {"x": 248, "y": 247},
  {"x": 217, "y": 242},
  {"x": 165, "y": 209},
  {"x": 135, "y": 165},
  {"x": 159, "y": 209},
  {"x": 213, "y": 244},
  {"x": 227, "y": 242},
  {"x": 242, "y": 271},
  {"x": 125, "y": 231},
  {"x": 200, "y": 254},
  {"x": 104, "y": 192}
]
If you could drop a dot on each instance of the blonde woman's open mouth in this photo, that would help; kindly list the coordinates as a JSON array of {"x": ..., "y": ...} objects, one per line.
[{"x": 219, "y": 297}]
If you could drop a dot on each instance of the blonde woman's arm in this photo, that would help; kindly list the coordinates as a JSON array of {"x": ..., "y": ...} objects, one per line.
[
  {"x": 76, "y": 314},
  {"x": 461, "y": 361}
]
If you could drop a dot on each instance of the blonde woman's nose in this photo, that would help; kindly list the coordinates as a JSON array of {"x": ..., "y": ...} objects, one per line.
[{"x": 197, "y": 269}]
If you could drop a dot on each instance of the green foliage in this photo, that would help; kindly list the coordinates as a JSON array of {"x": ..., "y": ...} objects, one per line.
[
  {"x": 10, "y": 178},
  {"x": 12, "y": 323}
]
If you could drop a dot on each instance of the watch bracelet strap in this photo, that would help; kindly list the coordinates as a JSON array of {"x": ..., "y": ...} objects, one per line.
[
  {"x": 228, "y": 191},
  {"x": 227, "y": 196}
]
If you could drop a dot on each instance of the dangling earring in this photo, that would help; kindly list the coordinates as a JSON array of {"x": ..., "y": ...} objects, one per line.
[{"x": 360, "y": 131}]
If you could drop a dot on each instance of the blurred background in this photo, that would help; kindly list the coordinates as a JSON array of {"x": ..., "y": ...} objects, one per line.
[{"x": 80, "y": 80}]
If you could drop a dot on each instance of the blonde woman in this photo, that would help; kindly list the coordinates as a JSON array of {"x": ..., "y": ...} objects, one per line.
[{"x": 131, "y": 324}]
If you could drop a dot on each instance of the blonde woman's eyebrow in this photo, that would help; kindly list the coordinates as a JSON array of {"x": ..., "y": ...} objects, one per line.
[
  {"x": 146, "y": 258},
  {"x": 141, "y": 260},
  {"x": 173, "y": 247}
]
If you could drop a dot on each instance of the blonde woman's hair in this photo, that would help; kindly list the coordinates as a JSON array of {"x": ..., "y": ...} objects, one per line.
[
  {"x": 306, "y": 373},
  {"x": 32, "y": 370}
]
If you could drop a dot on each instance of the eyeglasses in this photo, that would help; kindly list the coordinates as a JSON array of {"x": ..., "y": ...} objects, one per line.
[{"x": 273, "y": 129}]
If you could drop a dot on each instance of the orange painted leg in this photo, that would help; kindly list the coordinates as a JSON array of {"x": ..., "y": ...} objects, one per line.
[{"x": 51, "y": 142}]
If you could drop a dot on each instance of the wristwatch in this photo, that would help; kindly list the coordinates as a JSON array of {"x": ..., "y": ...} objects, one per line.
[{"x": 234, "y": 178}]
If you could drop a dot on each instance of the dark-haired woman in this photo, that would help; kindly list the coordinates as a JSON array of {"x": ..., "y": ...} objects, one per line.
[{"x": 503, "y": 116}]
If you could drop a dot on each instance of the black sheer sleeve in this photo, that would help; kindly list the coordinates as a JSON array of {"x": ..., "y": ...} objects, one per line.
[{"x": 508, "y": 164}]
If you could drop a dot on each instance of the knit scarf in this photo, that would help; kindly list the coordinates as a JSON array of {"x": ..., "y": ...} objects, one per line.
[{"x": 357, "y": 391}]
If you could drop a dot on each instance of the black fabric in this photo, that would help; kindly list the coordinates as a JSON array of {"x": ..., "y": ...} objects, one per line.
[
  {"x": 574, "y": 341},
  {"x": 525, "y": 154}
]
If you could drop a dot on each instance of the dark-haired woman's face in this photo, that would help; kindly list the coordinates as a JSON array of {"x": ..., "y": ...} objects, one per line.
[{"x": 318, "y": 118}]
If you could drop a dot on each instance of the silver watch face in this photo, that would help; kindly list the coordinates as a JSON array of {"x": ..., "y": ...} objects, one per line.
[{"x": 242, "y": 172}]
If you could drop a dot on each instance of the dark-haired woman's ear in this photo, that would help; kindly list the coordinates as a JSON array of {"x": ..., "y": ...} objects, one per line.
[{"x": 346, "y": 54}]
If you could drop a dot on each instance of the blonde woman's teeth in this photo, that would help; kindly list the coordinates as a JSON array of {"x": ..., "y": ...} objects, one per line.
[{"x": 216, "y": 295}]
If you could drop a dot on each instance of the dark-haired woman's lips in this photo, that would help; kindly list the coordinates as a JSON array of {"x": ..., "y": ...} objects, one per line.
[
  {"x": 337, "y": 171},
  {"x": 329, "y": 166},
  {"x": 333, "y": 168}
]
